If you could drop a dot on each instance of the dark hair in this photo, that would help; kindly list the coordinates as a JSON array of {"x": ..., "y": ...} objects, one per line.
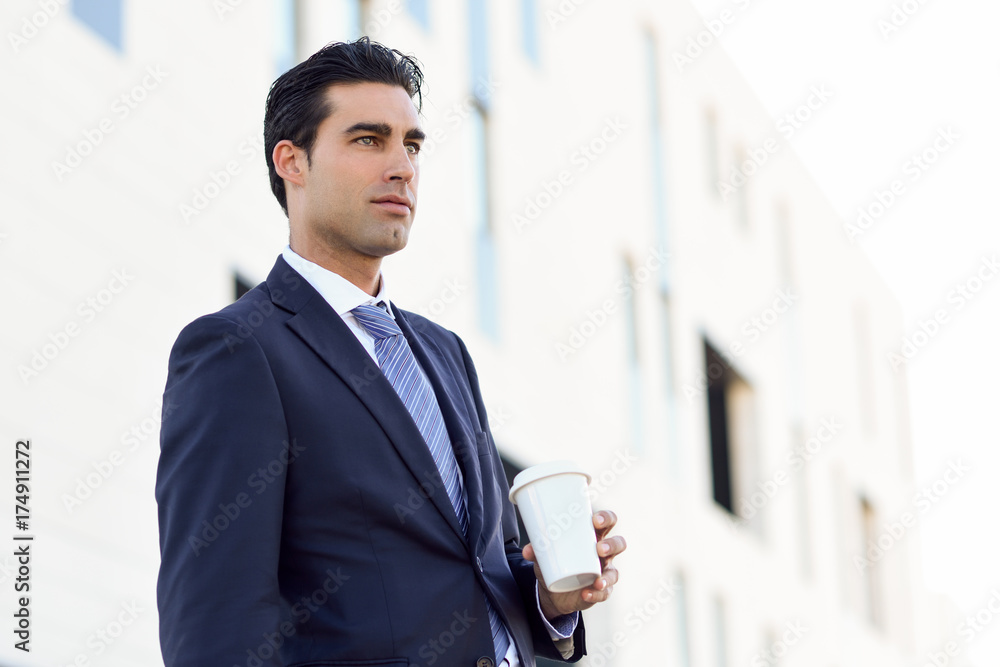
[{"x": 297, "y": 104}]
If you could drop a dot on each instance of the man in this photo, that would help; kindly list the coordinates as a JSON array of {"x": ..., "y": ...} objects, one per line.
[{"x": 329, "y": 492}]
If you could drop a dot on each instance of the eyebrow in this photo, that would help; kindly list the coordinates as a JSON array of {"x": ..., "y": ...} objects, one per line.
[{"x": 383, "y": 130}]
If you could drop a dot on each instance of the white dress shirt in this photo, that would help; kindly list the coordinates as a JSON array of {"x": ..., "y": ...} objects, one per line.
[{"x": 344, "y": 296}]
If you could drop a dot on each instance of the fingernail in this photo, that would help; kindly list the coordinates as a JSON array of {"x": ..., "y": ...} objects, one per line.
[{"x": 600, "y": 519}]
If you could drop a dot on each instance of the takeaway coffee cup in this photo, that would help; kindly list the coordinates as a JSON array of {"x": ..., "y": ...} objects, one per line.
[{"x": 554, "y": 505}]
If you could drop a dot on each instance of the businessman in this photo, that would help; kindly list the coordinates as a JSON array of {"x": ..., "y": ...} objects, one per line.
[{"x": 329, "y": 491}]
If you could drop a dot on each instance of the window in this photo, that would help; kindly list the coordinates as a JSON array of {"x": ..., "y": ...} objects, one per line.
[
  {"x": 478, "y": 44},
  {"x": 286, "y": 35},
  {"x": 670, "y": 413},
  {"x": 420, "y": 11},
  {"x": 657, "y": 151},
  {"x": 719, "y": 623},
  {"x": 802, "y": 510},
  {"x": 356, "y": 13},
  {"x": 485, "y": 251},
  {"x": 730, "y": 421},
  {"x": 103, "y": 17},
  {"x": 634, "y": 367},
  {"x": 485, "y": 243},
  {"x": 742, "y": 194},
  {"x": 712, "y": 152},
  {"x": 683, "y": 632},
  {"x": 864, "y": 360},
  {"x": 871, "y": 574},
  {"x": 529, "y": 29}
]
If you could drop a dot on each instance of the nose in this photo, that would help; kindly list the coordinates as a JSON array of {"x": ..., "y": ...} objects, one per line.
[{"x": 401, "y": 165}]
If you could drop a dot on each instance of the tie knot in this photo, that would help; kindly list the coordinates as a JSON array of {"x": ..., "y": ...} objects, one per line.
[{"x": 376, "y": 321}]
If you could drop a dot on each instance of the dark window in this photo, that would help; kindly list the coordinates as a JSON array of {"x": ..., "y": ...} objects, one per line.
[
  {"x": 730, "y": 428},
  {"x": 240, "y": 286}
]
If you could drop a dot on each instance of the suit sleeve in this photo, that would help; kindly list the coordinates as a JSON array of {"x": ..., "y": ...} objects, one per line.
[
  {"x": 523, "y": 571},
  {"x": 219, "y": 490}
]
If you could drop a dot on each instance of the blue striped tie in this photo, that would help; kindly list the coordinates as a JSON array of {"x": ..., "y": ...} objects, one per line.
[{"x": 400, "y": 367}]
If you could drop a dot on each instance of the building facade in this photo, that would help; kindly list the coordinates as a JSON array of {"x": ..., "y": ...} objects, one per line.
[{"x": 648, "y": 281}]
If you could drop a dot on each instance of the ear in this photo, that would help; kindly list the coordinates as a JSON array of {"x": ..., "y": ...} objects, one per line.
[{"x": 290, "y": 162}]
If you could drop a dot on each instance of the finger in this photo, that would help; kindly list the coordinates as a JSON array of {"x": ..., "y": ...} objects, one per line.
[
  {"x": 528, "y": 552},
  {"x": 604, "y": 521},
  {"x": 608, "y": 578},
  {"x": 592, "y": 596},
  {"x": 611, "y": 547}
]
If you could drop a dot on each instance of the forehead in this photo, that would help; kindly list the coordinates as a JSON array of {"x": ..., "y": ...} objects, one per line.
[{"x": 372, "y": 102}]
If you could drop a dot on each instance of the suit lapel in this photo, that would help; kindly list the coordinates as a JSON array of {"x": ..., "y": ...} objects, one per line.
[
  {"x": 449, "y": 397},
  {"x": 323, "y": 330}
]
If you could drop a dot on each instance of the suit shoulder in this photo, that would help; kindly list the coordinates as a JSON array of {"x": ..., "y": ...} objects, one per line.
[
  {"x": 231, "y": 326},
  {"x": 238, "y": 313}
]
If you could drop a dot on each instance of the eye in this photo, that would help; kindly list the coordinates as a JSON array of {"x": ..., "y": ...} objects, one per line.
[
  {"x": 413, "y": 148},
  {"x": 366, "y": 141}
]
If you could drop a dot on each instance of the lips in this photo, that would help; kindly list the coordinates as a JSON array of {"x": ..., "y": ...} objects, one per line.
[{"x": 394, "y": 204}]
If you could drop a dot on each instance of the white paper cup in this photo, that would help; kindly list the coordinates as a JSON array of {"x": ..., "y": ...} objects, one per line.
[{"x": 554, "y": 505}]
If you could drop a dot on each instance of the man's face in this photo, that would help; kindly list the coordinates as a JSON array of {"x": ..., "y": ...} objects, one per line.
[{"x": 360, "y": 189}]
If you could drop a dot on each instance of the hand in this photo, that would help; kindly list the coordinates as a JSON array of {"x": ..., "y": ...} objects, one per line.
[{"x": 558, "y": 604}]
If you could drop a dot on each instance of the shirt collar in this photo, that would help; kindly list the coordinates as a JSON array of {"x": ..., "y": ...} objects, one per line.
[{"x": 342, "y": 295}]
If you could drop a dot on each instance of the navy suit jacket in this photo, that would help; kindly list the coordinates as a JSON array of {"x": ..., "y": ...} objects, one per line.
[{"x": 302, "y": 518}]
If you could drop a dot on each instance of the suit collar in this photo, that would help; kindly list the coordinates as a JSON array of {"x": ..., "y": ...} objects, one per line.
[
  {"x": 323, "y": 330},
  {"x": 342, "y": 295}
]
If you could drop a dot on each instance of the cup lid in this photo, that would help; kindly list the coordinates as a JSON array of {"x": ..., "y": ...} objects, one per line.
[{"x": 542, "y": 470}]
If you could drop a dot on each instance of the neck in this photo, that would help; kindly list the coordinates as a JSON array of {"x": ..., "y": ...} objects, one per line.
[{"x": 364, "y": 272}]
